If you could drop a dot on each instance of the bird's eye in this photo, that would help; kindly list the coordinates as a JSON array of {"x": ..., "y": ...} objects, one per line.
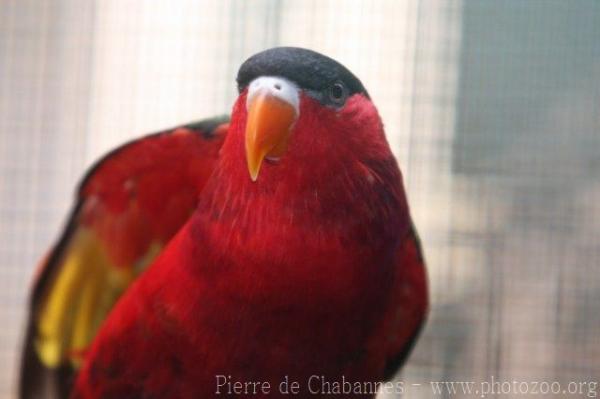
[{"x": 338, "y": 93}]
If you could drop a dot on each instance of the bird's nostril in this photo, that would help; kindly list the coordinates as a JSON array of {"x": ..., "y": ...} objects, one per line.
[{"x": 277, "y": 86}]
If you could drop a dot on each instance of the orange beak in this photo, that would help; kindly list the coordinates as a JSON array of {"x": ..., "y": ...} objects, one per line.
[{"x": 270, "y": 120}]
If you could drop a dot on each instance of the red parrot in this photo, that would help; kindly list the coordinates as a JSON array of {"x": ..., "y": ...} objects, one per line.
[{"x": 276, "y": 247}]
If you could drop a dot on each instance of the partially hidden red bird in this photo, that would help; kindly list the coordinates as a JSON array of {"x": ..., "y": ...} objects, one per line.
[{"x": 274, "y": 247}]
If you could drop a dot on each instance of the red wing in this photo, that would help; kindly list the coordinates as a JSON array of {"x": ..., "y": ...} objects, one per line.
[
  {"x": 128, "y": 207},
  {"x": 408, "y": 307}
]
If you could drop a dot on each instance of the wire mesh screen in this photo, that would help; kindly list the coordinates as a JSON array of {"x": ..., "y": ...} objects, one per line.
[{"x": 492, "y": 108}]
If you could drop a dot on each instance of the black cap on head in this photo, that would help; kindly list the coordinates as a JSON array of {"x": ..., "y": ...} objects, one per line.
[{"x": 310, "y": 70}]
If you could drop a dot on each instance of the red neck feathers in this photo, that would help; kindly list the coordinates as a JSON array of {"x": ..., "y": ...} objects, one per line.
[{"x": 335, "y": 199}]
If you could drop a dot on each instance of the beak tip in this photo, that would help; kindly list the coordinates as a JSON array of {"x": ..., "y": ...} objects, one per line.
[{"x": 253, "y": 173}]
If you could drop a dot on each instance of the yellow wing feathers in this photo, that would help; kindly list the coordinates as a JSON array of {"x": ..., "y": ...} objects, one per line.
[{"x": 82, "y": 293}]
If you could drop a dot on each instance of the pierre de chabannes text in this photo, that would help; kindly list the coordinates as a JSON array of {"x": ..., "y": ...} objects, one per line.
[{"x": 315, "y": 384}]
